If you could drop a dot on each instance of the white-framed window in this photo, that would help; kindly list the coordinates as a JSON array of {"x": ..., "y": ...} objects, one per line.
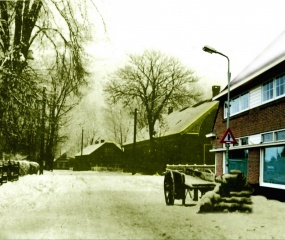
[
  {"x": 237, "y": 104},
  {"x": 273, "y": 166},
  {"x": 244, "y": 101},
  {"x": 280, "y": 85},
  {"x": 274, "y": 88},
  {"x": 280, "y": 135},
  {"x": 267, "y": 137},
  {"x": 267, "y": 91},
  {"x": 244, "y": 141},
  {"x": 234, "y": 106},
  {"x": 241, "y": 141}
]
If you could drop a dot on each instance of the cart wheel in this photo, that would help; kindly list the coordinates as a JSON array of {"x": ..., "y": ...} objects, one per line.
[{"x": 169, "y": 188}]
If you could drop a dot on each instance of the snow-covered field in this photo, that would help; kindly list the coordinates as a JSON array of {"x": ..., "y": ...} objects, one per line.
[{"x": 101, "y": 205}]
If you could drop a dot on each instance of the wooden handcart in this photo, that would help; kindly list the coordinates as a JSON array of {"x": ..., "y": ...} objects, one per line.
[{"x": 178, "y": 185}]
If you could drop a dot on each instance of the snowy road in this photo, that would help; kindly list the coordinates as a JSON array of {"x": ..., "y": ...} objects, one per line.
[
  {"x": 100, "y": 205},
  {"x": 81, "y": 205}
]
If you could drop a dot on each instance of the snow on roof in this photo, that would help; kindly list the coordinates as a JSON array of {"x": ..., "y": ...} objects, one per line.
[
  {"x": 177, "y": 121},
  {"x": 270, "y": 57},
  {"x": 90, "y": 149}
]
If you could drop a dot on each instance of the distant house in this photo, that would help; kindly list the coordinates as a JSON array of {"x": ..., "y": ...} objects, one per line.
[
  {"x": 101, "y": 154},
  {"x": 180, "y": 139},
  {"x": 257, "y": 120},
  {"x": 63, "y": 161}
]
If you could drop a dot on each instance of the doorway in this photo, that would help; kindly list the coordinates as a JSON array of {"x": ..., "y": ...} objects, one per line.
[{"x": 238, "y": 160}]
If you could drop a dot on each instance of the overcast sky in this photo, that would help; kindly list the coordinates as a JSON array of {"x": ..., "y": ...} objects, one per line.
[{"x": 240, "y": 29}]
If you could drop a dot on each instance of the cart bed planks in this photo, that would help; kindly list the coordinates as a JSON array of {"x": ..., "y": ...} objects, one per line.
[{"x": 178, "y": 185}]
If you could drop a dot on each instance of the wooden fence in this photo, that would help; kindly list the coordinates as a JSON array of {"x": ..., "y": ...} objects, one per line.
[{"x": 9, "y": 171}]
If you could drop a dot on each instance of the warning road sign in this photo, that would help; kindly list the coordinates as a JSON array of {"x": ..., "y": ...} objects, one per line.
[{"x": 228, "y": 137}]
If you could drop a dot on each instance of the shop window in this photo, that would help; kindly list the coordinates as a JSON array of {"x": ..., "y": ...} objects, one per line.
[{"x": 274, "y": 165}]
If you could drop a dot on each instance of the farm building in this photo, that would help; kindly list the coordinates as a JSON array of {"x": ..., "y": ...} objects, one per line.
[
  {"x": 63, "y": 161},
  {"x": 101, "y": 154},
  {"x": 257, "y": 120},
  {"x": 180, "y": 139}
]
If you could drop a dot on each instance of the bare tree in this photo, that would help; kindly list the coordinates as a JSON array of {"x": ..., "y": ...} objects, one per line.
[
  {"x": 155, "y": 81},
  {"x": 118, "y": 123},
  {"x": 56, "y": 31}
]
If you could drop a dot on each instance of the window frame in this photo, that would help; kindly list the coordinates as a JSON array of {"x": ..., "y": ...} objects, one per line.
[
  {"x": 242, "y": 98},
  {"x": 276, "y": 134},
  {"x": 281, "y": 76},
  {"x": 262, "y": 171},
  {"x": 267, "y": 91},
  {"x": 268, "y": 134}
]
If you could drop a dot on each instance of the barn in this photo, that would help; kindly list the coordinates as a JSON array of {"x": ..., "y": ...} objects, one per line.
[
  {"x": 105, "y": 154},
  {"x": 181, "y": 139}
]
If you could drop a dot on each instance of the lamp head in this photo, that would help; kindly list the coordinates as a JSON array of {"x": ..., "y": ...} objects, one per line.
[{"x": 209, "y": 49}]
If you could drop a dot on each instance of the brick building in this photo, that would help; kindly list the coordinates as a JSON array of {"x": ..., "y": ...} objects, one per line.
[{"x": 257, "y": 120}]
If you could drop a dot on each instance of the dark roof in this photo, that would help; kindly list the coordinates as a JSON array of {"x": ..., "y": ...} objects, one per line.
[
  {"x": 92, "y": 148},
  {"x": 270, "y": 57},
  {"x": 177, "y": 121}
]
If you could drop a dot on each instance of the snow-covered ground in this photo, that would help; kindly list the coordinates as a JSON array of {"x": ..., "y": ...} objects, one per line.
[{"x": 101, "y": 205}]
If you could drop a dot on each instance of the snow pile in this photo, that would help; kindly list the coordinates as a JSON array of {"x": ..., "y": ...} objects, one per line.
[
  {"x": 25, "y": 193},
  {"x": 28, "y": 167},
  {"x": 233, "y": 194}
]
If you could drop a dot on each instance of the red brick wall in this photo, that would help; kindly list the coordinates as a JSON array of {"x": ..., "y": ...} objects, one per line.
[
  {"x": 265, "y": 118},
  {"x": 253, "y": 165}
]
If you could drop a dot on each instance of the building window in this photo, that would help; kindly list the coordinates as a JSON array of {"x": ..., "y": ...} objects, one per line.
[
  {"x": 280, "y": 135},
  {"x": 274, "y": 165},
  {"x": 234, "y": 106},
  {"x": 244, "y": 141},
  {"x": 267, "y": 91},
  {"x": 280, "y": 85},
  {"x": 267, "y": 137},
  {"x": 244, "y": 101},
  {"x": 237, "y": 105}
]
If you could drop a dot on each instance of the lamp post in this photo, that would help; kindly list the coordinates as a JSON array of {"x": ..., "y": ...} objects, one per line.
[{"x": 212, "y": 50}]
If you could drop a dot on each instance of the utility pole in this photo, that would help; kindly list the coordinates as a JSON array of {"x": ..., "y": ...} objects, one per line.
[
  {"x": 82, "y": 141},
  {"x": 42, "y": 149},
  {"x": 135, "y": 140}
]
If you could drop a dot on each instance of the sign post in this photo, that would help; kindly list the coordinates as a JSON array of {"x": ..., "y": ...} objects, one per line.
[{"x": 228, "y": 138}]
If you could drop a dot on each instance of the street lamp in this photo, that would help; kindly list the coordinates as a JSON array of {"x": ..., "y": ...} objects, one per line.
[{"x": 212, "y": 50}]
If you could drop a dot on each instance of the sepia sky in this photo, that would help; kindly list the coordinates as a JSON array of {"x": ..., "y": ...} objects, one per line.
[{"x": 239, "y": 29}]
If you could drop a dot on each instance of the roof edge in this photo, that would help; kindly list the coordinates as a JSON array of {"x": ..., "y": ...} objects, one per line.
[{"x": 250, "y": 77}]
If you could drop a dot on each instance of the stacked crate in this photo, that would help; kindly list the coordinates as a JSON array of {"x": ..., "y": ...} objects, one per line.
[{"x": 232, "y": 193}]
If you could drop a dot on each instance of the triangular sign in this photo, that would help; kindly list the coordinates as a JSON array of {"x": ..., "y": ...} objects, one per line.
[{"x": 228, "y": 137}]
